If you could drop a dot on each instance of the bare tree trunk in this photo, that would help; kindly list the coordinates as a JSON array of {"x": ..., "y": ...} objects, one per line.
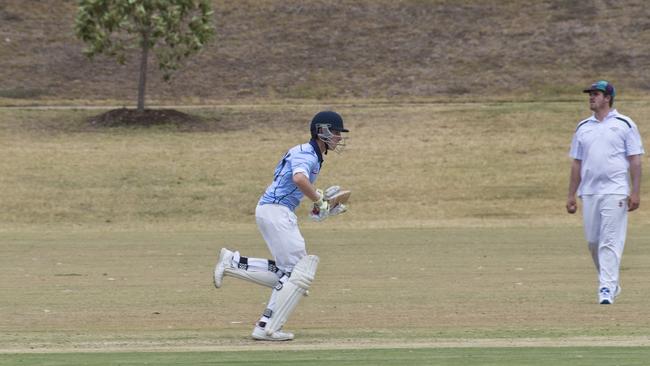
[{"x": 143, "y": 70}]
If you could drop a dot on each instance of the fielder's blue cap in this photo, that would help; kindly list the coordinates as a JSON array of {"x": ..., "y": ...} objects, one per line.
[{"x": 603, "y": 86}]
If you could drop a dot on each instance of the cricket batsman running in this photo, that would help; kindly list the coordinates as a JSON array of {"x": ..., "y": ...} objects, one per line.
[{"x": 291, "y": 271}]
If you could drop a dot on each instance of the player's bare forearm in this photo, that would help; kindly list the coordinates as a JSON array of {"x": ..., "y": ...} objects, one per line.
[
  {"x": 574, "y": 182},
  {"x": 305, "y": 186},
  {"x": 634, "y": 200}
]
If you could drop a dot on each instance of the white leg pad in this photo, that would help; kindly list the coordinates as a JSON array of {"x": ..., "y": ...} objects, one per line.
[
  {"x": 268, "y": 279},
  {"x": 292, "y": 291}
]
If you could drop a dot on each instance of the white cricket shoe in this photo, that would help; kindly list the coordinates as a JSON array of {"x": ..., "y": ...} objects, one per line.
[
  {"x": 225, "y": 261},
  {"x": 259, "y": 334},
  {"x": 605, "y": 296}
]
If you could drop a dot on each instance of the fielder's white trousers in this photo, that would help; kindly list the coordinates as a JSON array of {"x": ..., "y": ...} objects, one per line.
[
  {"x": 605, "y": 223},
  {"x": 279, "y": 228}
]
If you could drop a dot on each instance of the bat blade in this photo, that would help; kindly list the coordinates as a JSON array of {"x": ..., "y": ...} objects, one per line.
[{"x": 341, "y": 197}]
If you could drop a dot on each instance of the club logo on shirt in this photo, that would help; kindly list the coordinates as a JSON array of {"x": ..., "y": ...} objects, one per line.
[{"x": 620, "y": 203}]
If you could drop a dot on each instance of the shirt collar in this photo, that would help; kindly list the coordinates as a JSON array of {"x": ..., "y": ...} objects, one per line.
[
  {"x": 612, "y": 113},
  {"x": 314, "y": 144}
]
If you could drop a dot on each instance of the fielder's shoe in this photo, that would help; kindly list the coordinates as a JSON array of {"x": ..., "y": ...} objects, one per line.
[
  {"x": 259, "y": 334},
  {"x": 605, "y": 296},
  {"x": 225, "y": 260},
  {"x": 618, "y": 291}
]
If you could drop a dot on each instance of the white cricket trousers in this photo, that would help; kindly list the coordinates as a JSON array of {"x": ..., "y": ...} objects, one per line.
[
  {"x": 279, "y": 228},
  {"x": 605, "y": 222}
]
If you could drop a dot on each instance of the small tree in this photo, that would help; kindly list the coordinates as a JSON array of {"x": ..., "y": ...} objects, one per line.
[{"x": 174, "y": 29}]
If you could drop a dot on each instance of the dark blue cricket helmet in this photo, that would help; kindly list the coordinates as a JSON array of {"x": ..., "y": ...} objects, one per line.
[{"x": 329, "y": 119}]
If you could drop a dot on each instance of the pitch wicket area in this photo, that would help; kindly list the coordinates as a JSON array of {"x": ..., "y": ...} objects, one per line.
[{"x": 150, "y": 291}]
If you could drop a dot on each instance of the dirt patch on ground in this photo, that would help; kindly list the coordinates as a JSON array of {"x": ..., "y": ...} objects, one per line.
[
  {"x": 159, "y": 117},
  {"x": 124, "y": 117},
  {"x": 174, "y": 118}
]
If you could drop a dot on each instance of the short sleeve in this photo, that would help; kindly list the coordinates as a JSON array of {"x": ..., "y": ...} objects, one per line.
[
  {"x": 633, "y": 144},
  {"x": 302, "y": 162},
  {"x": 576, "y": 149}
]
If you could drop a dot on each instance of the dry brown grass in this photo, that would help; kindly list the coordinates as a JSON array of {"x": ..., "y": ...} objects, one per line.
[
  {"x": 456, "y": 231},
  {"x": 409, "y": 165},
  {"x": 348, "y": 49}
]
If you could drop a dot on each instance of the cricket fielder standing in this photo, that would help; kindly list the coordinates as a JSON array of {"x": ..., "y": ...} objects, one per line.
[
  {"x": 291, "y": 270},
  {"x": 605, "y": 147}
]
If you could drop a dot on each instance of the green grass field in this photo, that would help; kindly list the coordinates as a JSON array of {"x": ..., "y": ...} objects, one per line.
[
  {"x": 569, "y": 356},
  {"x": 456, "y": 250}
]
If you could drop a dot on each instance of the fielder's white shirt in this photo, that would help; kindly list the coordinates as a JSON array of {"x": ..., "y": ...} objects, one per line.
[{"x": 603, "y": 148}]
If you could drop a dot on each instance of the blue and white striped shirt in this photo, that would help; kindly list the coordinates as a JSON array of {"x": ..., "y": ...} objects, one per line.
[{"x": 304, "y": 158}]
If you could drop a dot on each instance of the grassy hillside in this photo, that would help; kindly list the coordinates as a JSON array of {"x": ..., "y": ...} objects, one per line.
[{"x": 327, "y": 49}]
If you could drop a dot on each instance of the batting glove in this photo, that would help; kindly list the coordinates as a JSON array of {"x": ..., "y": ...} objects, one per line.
[
  {"x": 338, "y": 209},
  {"x": 321, "y": 208}
]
